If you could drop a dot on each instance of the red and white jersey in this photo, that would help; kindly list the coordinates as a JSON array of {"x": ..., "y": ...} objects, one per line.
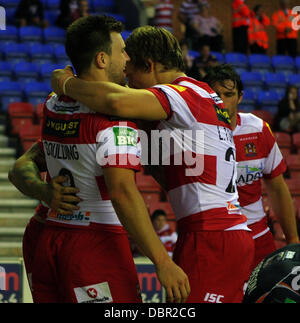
[
  {"x": 163, "y": 15},
  {"x": 168, "y": 238},
  {"x": 78, "y": 144},
  {"x": 258, "y": 157},
  {"x": 202, "y": 187}
]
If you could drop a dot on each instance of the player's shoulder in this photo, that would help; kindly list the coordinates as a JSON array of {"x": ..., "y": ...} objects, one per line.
[{"x": 251, "y": 122}]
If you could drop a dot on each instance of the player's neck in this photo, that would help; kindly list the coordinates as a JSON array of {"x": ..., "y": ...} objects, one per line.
[
  {"x": 233, "y": 121},
  {"x": 163, "y": 77},
  {"x": 94, "y": 76}
]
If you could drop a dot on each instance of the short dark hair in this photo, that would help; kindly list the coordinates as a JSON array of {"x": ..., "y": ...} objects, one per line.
[
  {"x": 221, "y": 73},
  {"x": 154, "y": 43},
  {"x": 87, "y": 36},
  {"x": 158, "y": 213}
]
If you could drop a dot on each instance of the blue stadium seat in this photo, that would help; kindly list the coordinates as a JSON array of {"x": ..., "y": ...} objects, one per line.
[
  {"x": 15, "y": 53},
  {"x": 253, "y": 81},
  {"x": 260, "y": 62},
  {"x": 30, "y": 34},
  {"x": 6, "y": 71},
  {"x": 60, "y": 55},
  {"x": 117, "y": 16},
  {"x": 220, "y": 57},
  {"x": 283, "y": 63},
  {"x": 54, "y": 35},
  {"x": 103, "y": 6},
  {"x": 10, "y": 3},
  {"x": 268, "y": 100},
  {"x": 275, "y": 81},
  {"x": 297, "y": 61},
  {"x": 10, "y": 92},
  {"x": 294, "y": 79},
  {"x": 52, "y": 4},
  {"x": 248, "y": 103},
  {"x": 40, "y": 53},
  {"x": 11, "y": 34},
  {"x": 193, "y": 54},
  {"x": 46, "y": 71},
  {"x": 126, "y": 34},
  {"x": 36, "y": 92},
  {"x": 237, "y": 60},
  {"x": 51, "y": 16},
  {"x": 10, "y": 15},
  {"x": 26, "y": 72}
]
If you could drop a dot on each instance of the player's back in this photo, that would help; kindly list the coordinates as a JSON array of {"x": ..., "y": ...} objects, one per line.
[
  {"x": 73, "y": 137},
  {"x": 206, "y": 190}
]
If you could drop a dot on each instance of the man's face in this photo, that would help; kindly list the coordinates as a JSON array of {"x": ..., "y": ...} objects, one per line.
[
  {"x": 159, "y": 222},
  {"x": 118, "y": 59},
  {"x": 137, "y": 78},
  {"x": 228, "y": 92}
]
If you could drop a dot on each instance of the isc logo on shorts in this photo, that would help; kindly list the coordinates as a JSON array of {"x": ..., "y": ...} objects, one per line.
[
  {"x": 213, "y": 298},
  {"x": 98, "y": 293}
]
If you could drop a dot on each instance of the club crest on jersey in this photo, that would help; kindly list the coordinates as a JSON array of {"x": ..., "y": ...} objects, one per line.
[
  {"x": 250, "y": 150},
  {"x": 222, "y": 114}
]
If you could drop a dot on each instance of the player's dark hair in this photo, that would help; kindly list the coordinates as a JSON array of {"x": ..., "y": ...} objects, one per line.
[
  {"x": 87, "y": 36},
  {"x": 158, "y": 213},
  {"x": 221, "y": 73},
  {"x": 157, "y": 44}
]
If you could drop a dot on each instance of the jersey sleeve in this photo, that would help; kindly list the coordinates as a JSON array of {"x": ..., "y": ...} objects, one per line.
[
  {"x": 119, "y": 146},
  {"x": 274, "y": 163},
  {"x": 163, "y": 99}
]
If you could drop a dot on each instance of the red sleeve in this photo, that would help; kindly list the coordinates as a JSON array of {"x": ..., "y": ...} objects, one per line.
[
  {"x": 40, "y": 144},
  {"x": 162, "y": 98}
]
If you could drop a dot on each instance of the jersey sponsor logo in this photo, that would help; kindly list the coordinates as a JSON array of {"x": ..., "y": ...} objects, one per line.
[
  {"x": 125, "y": 136},
  {"x": 213, "y": 298},
  {"x": 233, "y": 208},
  {"x": 62, "y": 128},
  {"x": 250, "y": 174},
  {"x": 59, "y": 151},
  {"x": 222, "y": 114},
  {"x": 98, "y": 293},
  {"x": 250, "y": 150},
  {"x": 76, "y": 216},
  {"x": 64, "y": 109}
]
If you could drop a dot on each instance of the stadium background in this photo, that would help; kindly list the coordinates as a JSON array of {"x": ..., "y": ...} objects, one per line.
[{"x": 25, "y": 70}]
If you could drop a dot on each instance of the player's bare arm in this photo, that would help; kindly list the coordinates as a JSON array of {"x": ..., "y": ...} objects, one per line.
[
  {"x": 133, "y": 215},
  {"x": 109, "y": 98},
  {"x": 25, "y": 176},
  {"x": 282, "y": 204}
]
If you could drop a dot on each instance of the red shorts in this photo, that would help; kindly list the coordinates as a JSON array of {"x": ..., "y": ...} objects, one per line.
[
  {"x": 30, "y": 240},
  {"x": 84, "y": 266},
  {"x": 217, "y": 263}
]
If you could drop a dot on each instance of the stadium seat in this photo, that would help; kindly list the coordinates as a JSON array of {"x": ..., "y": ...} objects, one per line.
[
  {"x": 265, "y": 115},
  {"x": 41, "y": 54},
  {"x": 252, "y": 81},
  {"x": 6, "y": 71},
  {"x": 147, "y": 183},
  {"x": 193, "y": 54},
  {"x": 60, "y": 54},
  {"x": 39, "y": 111},
  {"x": 52, "y": 4},
  {"x": 283, "y": 63},
  {"x": 275, "y": 81},
  {"x": 15, "y": 53},
  {"x": 10, "y": 33},
  {"x": 297, "y": 62},
  {"x": 283, "y": 139},
  {"x": 294, "y": 79},
  {"x": 237, "y": 60},
  {"x": 260, "y": 62},
  {"x": 21, "y": 115},
  {"x": 37, "y": 92},
  {"x": 30, "y": 34},
  {"x": 248, "y": 103},
  {"x": 296, "y": 140},
  {"x": 26, "y": 72},
  {"x": 126, "y": 34},
  {"x": 268, "y": 100},
  {"x": 10, "y": 92},
  {"x": 103, "y": 6},
  {"x": 51, "y": 16},
  {"x": 293, "y": 184},
  {"x": 10, "y": 3},
  {"x": 293, "y": 162},
  {"x": 54, "y": 35},
  {"x": 46, "y": 71},
  {"x": 117, "y": 16},
  {"x": 220, "y": 57},
  {"x": 29, "y": 135}
]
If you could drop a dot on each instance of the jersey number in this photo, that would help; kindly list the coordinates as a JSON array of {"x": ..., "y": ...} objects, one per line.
[{"x": 231, "y": 187}]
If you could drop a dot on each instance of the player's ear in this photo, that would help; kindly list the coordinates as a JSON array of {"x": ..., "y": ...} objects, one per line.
[
  {"x": 101, "y": 60},
  {"x": 150, "y": 66},
  {"x": 241, "y": 97}
]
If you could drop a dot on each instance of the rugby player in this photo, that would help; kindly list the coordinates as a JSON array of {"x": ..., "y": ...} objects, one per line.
[
  {"x": 259, "y": 159},
  {"x": 214, "y": 247}
]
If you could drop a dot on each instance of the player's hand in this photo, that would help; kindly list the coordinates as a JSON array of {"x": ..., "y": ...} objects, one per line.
[
  {"x": 59, "y": 198},
  {"x": 58, "y": 78},
  {"x": 174, "y": 280}
]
